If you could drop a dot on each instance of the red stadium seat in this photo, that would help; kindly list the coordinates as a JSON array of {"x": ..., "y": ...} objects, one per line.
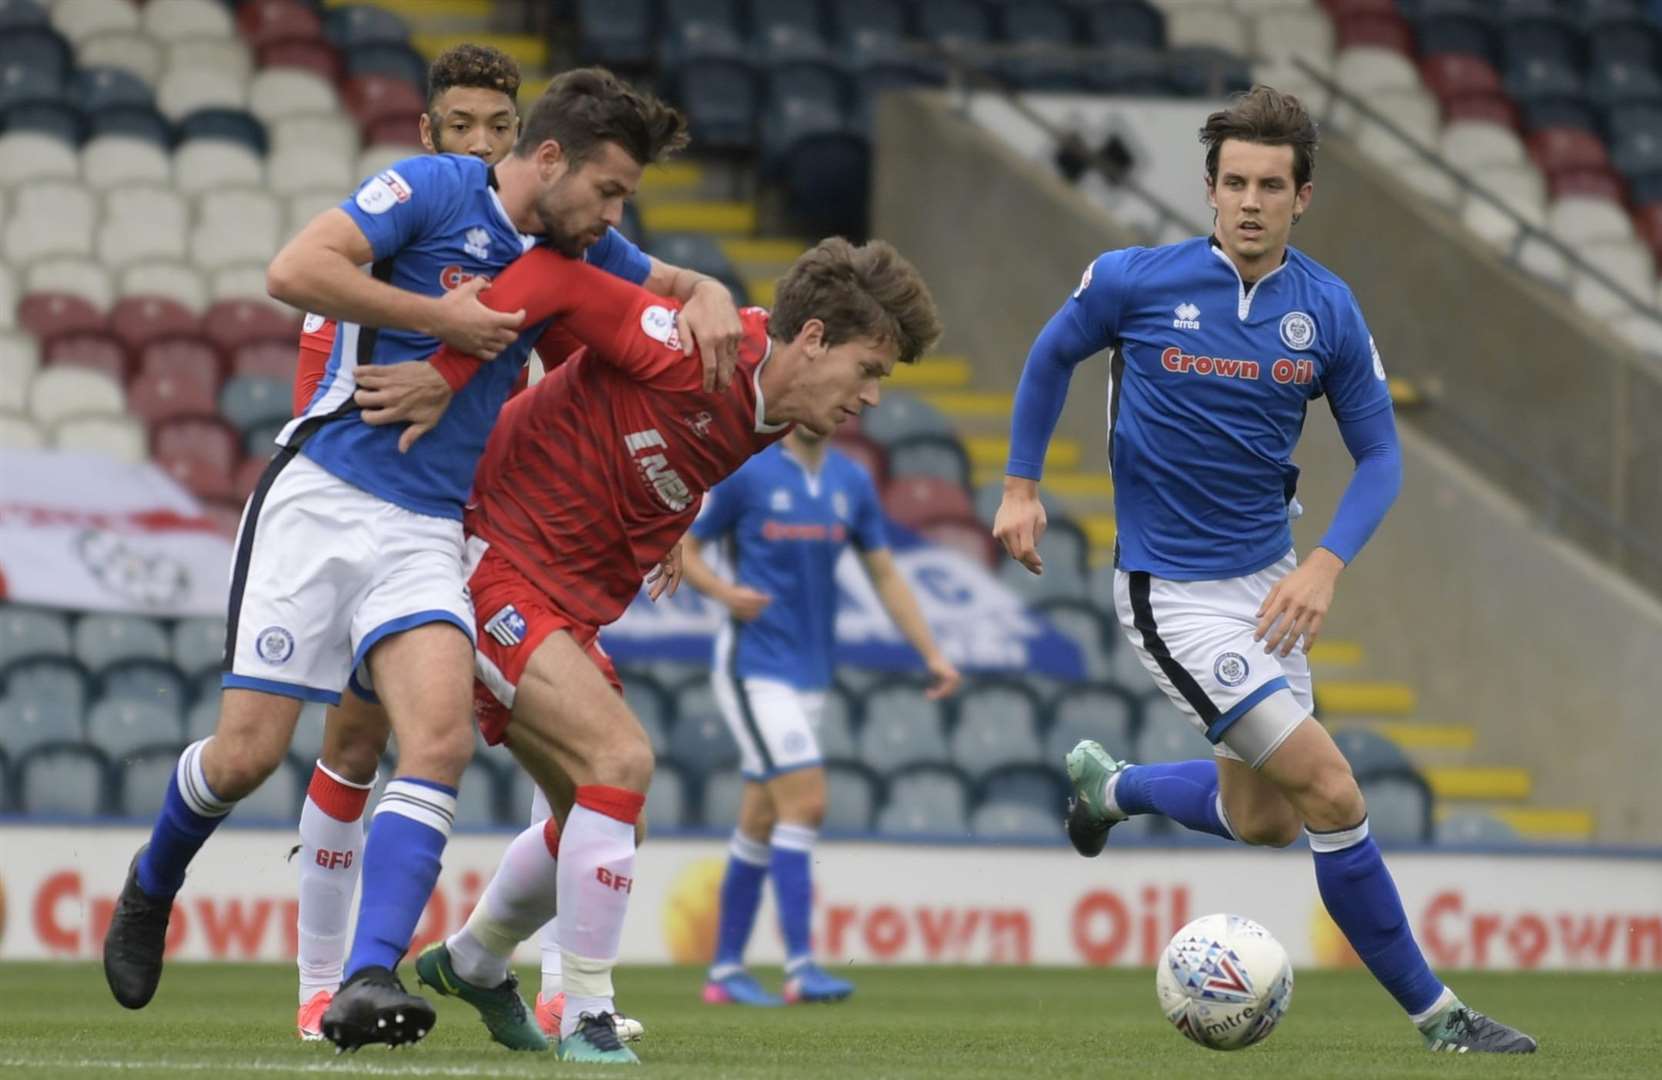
[
  {"x": 89, "y": 349},
  {"x": 317, "y": 57},
  {"x": 139, "y": 320},
  {"x": 1452, "y": 75},
  {"x": 201, "y": 452},
  {"x": 273, "y": 358},
  {"x": 248, "y": 474},
  {"x": 226, "y": 514},
  {"x": 1381, "y": 31},
  {"x": 917, "y": 501},
  {"x": 1488, "y": 108},
  {"x": 372, "y": 98},
  {"x": 1647, "y": 222},
  {"x": 48, "y": 315},
  {"x": 1598, "y": 183},
  {"x": 188, "y": 357},
  {"x": 163, "y": 395},
  {"x": 965, "y": 535},
  {"x": 269, "y": 22},
  {"x": 393, "y": 131},
  {"x": 232, "y": 323},
  {"x": 867, "y": 452},
  {"x": 1556, "y": 150},
  {"x": 1340, "y": 9}
]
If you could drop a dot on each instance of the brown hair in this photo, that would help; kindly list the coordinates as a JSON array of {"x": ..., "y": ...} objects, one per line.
[
  {"x": 1263, "y": 115},
  {"x": 868, "y": 291},
  {"x": 587, "y": 107},
  {"x": 474, "y": 67}
]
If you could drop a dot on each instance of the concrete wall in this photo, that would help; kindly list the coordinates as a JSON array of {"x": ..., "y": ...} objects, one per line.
[{"x": 1462, "y": 594}]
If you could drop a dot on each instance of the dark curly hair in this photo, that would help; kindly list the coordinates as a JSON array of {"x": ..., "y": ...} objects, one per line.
[
  {"x": 473, "y": 66},
  {"x": 869, "y": 291},
  {"x": 586, "y": 107}
]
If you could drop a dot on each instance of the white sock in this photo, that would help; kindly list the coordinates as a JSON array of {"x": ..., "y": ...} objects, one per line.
[
  {"x": 548, "y": 938},
  {"x": 520, "y": 897},
  {"x": 1109, "y": 803},
  {"x": 597, "y": 870},
  {"x": 1444, "y": 1000},
  {"x": 330, "y": 857}
]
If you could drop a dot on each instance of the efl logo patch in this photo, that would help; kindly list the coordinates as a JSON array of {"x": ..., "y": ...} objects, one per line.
[
  {"x": 1298, "y": 331},
  {"x": 658, "y": 323},
  {"x": 274, "y": 645},
  {"x": 1231, "y": 669},
  {"x": 1084, "y": 281},
  {"x": 314, "y": 322},
  {"x": 1378, "y": 364},
  {"x": 507, "y": 627},
  {"x": 384, "y": 192}
]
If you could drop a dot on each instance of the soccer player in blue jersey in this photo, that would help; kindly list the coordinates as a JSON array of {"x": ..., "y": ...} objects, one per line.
[
  {"x": 1217, "y": 346},
  {"x": 350, "y": 551},
  {"x": 787, "y": 516}
]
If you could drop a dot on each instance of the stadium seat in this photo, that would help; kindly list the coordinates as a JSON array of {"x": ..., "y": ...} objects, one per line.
[
  {"x": 144, "y": 777},
  {"x": 198, "y": 643},
  {"x": 88, "y": 349},
  {"x": 1292, "y": 31},
  {"x": 925, "y": 799},
  {"x": 232, "y": 325},
  {"x": 1081, "y": 623},
  {"x": 1455, "y": 75},
  {"x": 19, "y": 360},
  {"x": 1365, "y": 69},
  {"x": 255, "y": 402},
  {"x": 59, "y": 118},
  {"x": 141, "y": 321},
  {"x": 201, "y": 453},
  {"x": 899, "y": 414},
  {"x": 374, "y": 98},
  {"x": 22, "y": 15},
  {"x": 477, "y": 796},
  {"x": 237, "y": 226},
  {"x": 997, "y": 725},
  {"x": 901, "y": 727},
  {"x": 378, "y": 157},
  {"x": 822, "y": 162},
  {"x": 1521, "y": 190},
  {"x": 852, "y": 792},
  {"x": 916, "y": 501},
  {"x": 56, "y": 393},
  {"x": 1012, "y": 821},
  {"x": 229, "y": 56},
  {"x": 652, "y": 706},
  {"x": 965, "y": 535},
  {"x": 329, "y": 133},
  {"x": 1368, "y": 751},
  {"x": 270, "y": 22},
  {"x": 394, "y": 61},
  {"x": 294, "y": 170},
  {"x": 18, "y": 432},
  {"x": 616, "y": 33},
  {"x": 1042, "y": 28},
  {"x": 173, "y": 282},
  {"x": 208, "y": 163},
  {"x": 851, "y": 19},
  {"x": 317, "y": 57},
  {"x": 1062, "y": 577},
  {"x": 119, "y": 727},
  {"x": 1628, "y": 272},
  {"x": 359, "y": 26},
  {"x": 666, "y": 800},
  {"x": 182, "y": 92},
  {"x": 120, "y": 438},
  {"x": 1217, "y": 27},
  {"x": 29, "y": 631},
  {"x": 866, "y": 453},
  {"x": 29, "y": 721},
  {"x": 42, "y": 50},
  {"x": 112, "y": 162},
  {"x": 278, "y": 800},
  {"x": 1044, "y": 787},
  {"x": 203, "y": 716},
  {"x": 49, "y": 218},
  {"x": 142, "y": 224},
  {"x": 719, "y": 802},
  {"x": 700, "y": 740},
  {"x": 1470, "y": 145},
  {"x": 248, "y": 476},
  {"x": 63, "y": 780},
  {"x": 720, "y": 99},
  {"x": 930, "y": 455},
  {"x": 227, "y": 123},
  {"x": 1399, "y": 807},
  {"x": 1474, "y": 828},
  {"x": 269, "y": 358},
  {"x": 103, "y": 639},
  {"x": 837, "y": 724},
  {"x": 1100, "y": 711},
  {"x": 276, "y": 93},
  {"x": 141, "y": 123},
  {"x": 1581, "y": 219},
  {"x": 1167, "y": 734},
  {"x": 168, "y": 20},
  {"x": 124, "y": 49}
]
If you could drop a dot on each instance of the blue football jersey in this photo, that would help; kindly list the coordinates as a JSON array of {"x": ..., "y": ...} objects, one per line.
[
  {"x": 1210, "y": 381},
  {"x": 433, "y": 222},
  {"x": 786, "y": 528}
]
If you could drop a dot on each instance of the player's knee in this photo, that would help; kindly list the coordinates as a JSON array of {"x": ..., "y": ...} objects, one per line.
[
  {"x": 235, "y": 768},
  {"x": 806, "y": 809},
  {"x": 1333, "y": 800},
  {"x": 438, "y": 753},
  {"x": 1270, "y": 830},
  {"x": 626, "y": 761},
  {"x": 353, "y": 751}
]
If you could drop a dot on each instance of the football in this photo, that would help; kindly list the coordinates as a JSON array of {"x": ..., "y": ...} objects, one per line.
[{"x": 1224, "y": 981}]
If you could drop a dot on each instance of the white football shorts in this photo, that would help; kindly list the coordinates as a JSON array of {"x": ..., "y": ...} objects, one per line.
[
  {"x": 1195, "y": 638},
  {"x": 323, "y": 571},
  {"x": 775, "y": 724}
]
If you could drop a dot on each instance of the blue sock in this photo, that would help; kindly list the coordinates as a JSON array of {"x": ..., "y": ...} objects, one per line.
[
  {"x": 1363, "y": 901},
  {"x": 190, "y": 813},
  {"x": 741, "y": 895},
  {"x": 1185, "y": 791},
  {"x": 793, "y": 889},
  {"x": 401, "y": 865}
]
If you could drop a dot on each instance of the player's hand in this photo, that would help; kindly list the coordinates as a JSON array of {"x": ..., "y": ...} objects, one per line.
[
  {"x": 666, "y": 576},
  {"x": 412, "y": 392},
  {"x": 1297, "y": 605},
  {"x": 746, "y": 603},
  {"x": 944, "y": 678},
  {"x": 466, "y": 325},
  {"x": 710, "y": 323},
  {"x": 1020, "y": 522}
]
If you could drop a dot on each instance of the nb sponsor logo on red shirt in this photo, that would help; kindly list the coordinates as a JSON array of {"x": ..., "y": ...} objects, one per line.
[{"x": 454, "y": 277}]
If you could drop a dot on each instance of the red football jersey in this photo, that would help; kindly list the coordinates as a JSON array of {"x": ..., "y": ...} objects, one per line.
[
  {"x": 591, "y": 477},
  {"x": 317, "y": 341}
]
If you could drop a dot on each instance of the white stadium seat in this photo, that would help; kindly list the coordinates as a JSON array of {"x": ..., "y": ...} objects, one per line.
[
  {"x": 1520, "y": 187},
  {"x": 85, "y": 278},
  {"x": 1430, "y": 181},
  {"x": 78, "y": 20},
  {"x": 8, "y": 297},
  {"x": 1628, "y": 263},
  {"x": 143, "y": 224},
  {"x": 1471, "y": 144},
  {"x": 235, "y": 227},
  {"x": 330, "y": 133},
  {"x": 1545, "y": 261},
  {"x": 304, "y": 206},
  {"x": 297, "y": 169},
  {"x": 182, "y": 91},
  {"x": 1413, "y": 112},
  {"x": 252, "y": 208},
  {"x": 1214, "y": 25},
  {"x": 59, "y": 392},
  {"x": 18, "y": 432},
  {"x": 378, "y": 158},
  {"x": 118, "y": 437},
  {"x": 19, "y": 360},
  {"x": 245, "y": 281},
  {"x": 29, "y": 155},
  {"x": 1366, "y": 69},
  {"x": 49, "y": 219},
  {"x": 127, "y": 50},
  {"x": 1584, "y": 219},
  {"x": 1306, "y": 33},
  {"x": 203, "y": 164},
  {"x": 169, "y": 20},
  {"x": 1643, "y": 329},
  {"x": 226, "y": 55},
  {"x": 114, "y": 161},
  {"x": 280, "y": 91},
  {"x": 176, "y": 281}
]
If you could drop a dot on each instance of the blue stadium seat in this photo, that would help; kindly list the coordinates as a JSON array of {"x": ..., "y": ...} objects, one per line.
[
  {"x": 1455, "y": 26},
  {"x": 899, "y": 415},
  {"x": 1399, "y": 807},
  {"x": 1167, "y": 734},
  {"x": 1131, "y": 69},
  {"x": 109, "y": 87},
  {"x": 802, "y": 16},
  {"x": 718, "y": 93},
  {"x": 26, "y": 724},
  {"x": 1048, "y": 27},
  {"x": 478, "y": 797},
  {"x": 360, "y": 26},
  {"x": 231, "y": 125},
  {"x": 1125, "y": 22},
  {"x": 837, "y": 724},
  {"x": 930, "y": 455},
  {"x": 901, "y": 727},
  {"x": 1091, "y": 711},
  {"x": 133, "y": 121},
  {"x": 819, "y": 86},
  {"x": 60, "y": 118},
  {"x": 394, "y": 61},
  {"x": 925, "y": 799},
  {"x": 101, "y": 640},
  {"x": 616, "y": 33},
  {"x": 719, "y": 806},
  {"x": 1559, "y": 112},
  {"x": 143, "y": 780},
  {"x": 1623, "y": 39},
  {"x": 56, "y": 683},
  {"x": 1545, "y": 34},
  {"x": 652, "y": 707},
  {"x": 28, "y": 631},
  {"x": 696, "y": 251},
  {"x": 1637, "y": 154},
  {"x": 118, "y": 726},
  {"x": 871, "y": 19},
  {"x": 278, "y": 800},
  {"x": 700, "y": 741},
  {"x": 21, "y": 83},
  {"x": 155, "y": 681},
  {"x": 1203, "y": 71},
  {"x": 723, "y": 13},
  {"x": 879, "y": 62},
  {"x": 198, "y": 643},
  {"x": 997, "y": 725},
  {"x": 1369, "y": 752},
  {"x": 251, "y": 401},
  {"x": 17, "y": 15},
  {"x": 1622, "y": 82},
  {"x": 852, "y": 793},
  {"x": 786, "y": 46},
  {"x": 1474, "y": 828},
  {"x": 40, "y": 49},
  {"x": 1081, "y": 623},
  {"x": 950, "y": 22},
  {"x": 1013, "y": 821},
  {"x": 666, "y": 800},
  {"x": 1043, "y": 787},
  {"x": 822, "y": 161},
  {"x": 64, "y": 779}
]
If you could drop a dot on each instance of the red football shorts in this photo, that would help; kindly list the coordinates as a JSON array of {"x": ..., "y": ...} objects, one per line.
[{"x": 513, "y": 618}]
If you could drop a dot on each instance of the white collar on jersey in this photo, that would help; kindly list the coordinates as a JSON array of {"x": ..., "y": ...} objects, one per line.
[
  {"x": 1243, "y": 295},
  {"x": 762, "y": 425},
  {"x": 811, "y": 476},
  {"x": 526, "y": 243}
]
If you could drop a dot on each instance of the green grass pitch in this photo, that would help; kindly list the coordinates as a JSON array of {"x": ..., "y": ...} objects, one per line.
[{"x": 58, "y": 1021}]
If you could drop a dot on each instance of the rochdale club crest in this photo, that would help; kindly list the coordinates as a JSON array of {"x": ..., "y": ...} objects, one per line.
[
  {"x": 274, "y": 645},
  {"x": 1298, "y": 331},
  {"x": 1231, "y": 669}
]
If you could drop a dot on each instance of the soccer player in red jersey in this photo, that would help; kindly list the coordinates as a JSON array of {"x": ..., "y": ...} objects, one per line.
[{"x": 588, "y": 483}]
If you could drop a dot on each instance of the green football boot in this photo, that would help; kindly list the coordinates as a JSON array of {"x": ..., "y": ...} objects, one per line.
[
  {"x": 1090, "y": 767},
  {"x": 500, "y": 1007},
  {"x": 1459, "y": 1030},
  {"x": 596, "y": 1041}
]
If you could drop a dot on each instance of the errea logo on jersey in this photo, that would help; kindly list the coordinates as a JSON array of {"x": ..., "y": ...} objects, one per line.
[
  {"x": 1188, "y": 317},
  {"x": 654, "y": 467},
  {"x": 477, "y": 243}
]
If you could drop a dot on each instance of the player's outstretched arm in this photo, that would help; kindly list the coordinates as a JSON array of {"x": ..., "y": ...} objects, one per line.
[
  {"x": 897, "y": 599},
  {"x": 743, "y": 602}
]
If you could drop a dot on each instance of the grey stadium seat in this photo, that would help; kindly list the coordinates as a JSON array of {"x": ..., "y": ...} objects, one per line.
[
  {"x": 1101, "y": 711},
  {"x": 930, "y": 455},
  {"x": 998, "y": 725},
  {"x": 307, "y": 743},
  {"x": 701, "y": 742},
  {"x": 1370, "y": 752},
  {"x": 277, "y": 801},
  {"x": 26, "y": 631},
  {"x": 202, "y": 719},
  {"x": 901, "y": 728},
  {"x": 836, "y": 724},
  {"x": 719, "y": 807},
  {"x": 666, "y": 800},
  {"x": 143, "y": 782},
  {"x": 119, "y": 726},
  {"x": 899, "y": 415},
  {"x": 1061, "y": 578},
  {"x": 851, "y": 796},
  {"x": 198, "y": 644},
  {"x": 54, "y": 682},
  {"x": 651, "y": 706},
  {"x": 1167, "y": 734},
  {"x": 26, "y": 724},
  {"x": 478, "y": 796},
  {"x": 1081, "y": 623},
  {"x": 925, "y": 799},
  {"x": 64, "y": 779},
  {"x": 151, "y": 681},
  {"x": 101, "y": 640},
  {"x": 1013, "y": 821},
  {"x": 1149, "y": 828},
  {"x": 990, "y": 494},
  {"x": 6, "y": 806},
  {"x": 1043, "y": 787},
  {"x": 1399, "y": 807},
  {"x": 1474, "y": 828}
]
